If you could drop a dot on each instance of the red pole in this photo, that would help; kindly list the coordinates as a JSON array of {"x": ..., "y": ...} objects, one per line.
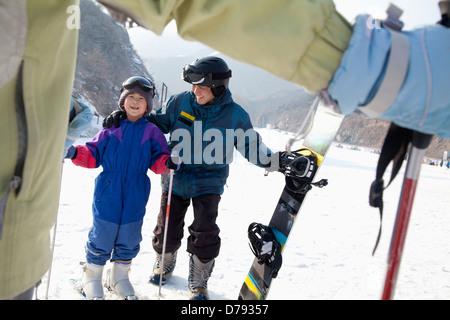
[
  {"x": 166, "y": 225},
  {"x": 416, "y": 153},
  {"x": 398, "y": 237}
]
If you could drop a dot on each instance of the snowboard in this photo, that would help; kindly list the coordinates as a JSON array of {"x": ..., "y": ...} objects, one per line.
[{"x": 317, "y": 142}]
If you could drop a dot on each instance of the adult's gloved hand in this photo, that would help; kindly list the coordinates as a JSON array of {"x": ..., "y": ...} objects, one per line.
[
  {"x": 114, "y": 119},
  {"x": 281, "y": 159}
]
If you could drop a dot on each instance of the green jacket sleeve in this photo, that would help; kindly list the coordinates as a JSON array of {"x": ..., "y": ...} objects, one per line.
[
  {"x": 33, "y": 124},
  {"x": 300, "y": 41}
]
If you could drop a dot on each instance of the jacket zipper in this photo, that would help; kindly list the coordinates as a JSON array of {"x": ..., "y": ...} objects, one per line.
[{"x": 16, "y": 181}]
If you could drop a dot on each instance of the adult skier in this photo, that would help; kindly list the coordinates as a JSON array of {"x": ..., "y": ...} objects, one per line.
[
  {"x": 314, "y": 46},
  {"x": 209, "y": 107}
]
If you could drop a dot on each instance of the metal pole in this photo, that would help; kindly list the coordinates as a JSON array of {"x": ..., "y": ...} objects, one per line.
[
  {"x": 166, "y": 225},
  {"x": 417, "y": 151},
  {"x": 53, "y": 240},
  {"x": 51, "y": 261}
]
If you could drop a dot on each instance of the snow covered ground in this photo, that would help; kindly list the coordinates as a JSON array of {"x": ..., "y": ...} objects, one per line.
[{"x": 328, "y": 255}]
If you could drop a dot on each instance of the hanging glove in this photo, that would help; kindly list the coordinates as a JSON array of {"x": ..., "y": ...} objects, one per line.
[{"x": 114, "y": 119}]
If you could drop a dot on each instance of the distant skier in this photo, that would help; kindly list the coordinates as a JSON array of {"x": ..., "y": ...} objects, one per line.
[{"x": 122, "y": 188}]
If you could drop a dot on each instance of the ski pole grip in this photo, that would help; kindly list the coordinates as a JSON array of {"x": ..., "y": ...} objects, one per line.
[
  {"x": 175, "y": 158},
  {"x": 421, "y": 140},
  {"x": 174, "y": 162},
  {"x": 444, "y": 6}
]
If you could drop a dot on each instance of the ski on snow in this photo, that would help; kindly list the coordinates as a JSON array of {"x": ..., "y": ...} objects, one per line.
[{"x": 300, "y": 168}]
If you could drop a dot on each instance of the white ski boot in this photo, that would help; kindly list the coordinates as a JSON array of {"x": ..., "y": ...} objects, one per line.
[
  {"x": 117, "y": 280},
  {"x": 199, "y": 273},
  {"x": 92, "y": 281}
]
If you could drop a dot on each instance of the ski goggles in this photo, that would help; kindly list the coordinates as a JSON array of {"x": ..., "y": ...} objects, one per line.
[
  {"x": 144, "y": 83},
  {"x": 195, "y": 76}
]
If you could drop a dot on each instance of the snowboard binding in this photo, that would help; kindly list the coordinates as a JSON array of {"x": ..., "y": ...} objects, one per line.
[
  {"x": 265, "y": 247},
  {"x": 299, "y": 167}
]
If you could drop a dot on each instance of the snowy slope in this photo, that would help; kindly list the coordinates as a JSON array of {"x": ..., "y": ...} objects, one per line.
[{"x": 328, "y": 255}]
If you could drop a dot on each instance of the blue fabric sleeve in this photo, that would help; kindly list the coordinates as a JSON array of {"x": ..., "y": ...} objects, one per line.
[{"x": 423, "y": 102}]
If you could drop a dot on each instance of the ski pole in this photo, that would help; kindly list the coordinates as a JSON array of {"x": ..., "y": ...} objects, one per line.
[
  {"x": 166, "y": 226},
  {"x": 418, "y": 146},
  {"x": 49, "y": 275}
]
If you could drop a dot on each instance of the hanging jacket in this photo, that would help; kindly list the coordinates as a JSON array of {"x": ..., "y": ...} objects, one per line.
[{"x": 205, "y": 138}]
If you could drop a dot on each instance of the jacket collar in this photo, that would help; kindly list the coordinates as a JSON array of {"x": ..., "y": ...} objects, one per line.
[{"x": 225, "y": 98}]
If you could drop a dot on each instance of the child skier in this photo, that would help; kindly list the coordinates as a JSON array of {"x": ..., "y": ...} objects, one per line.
[{"x": 121, "y": 189}]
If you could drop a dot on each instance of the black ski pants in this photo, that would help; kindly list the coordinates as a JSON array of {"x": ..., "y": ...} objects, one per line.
[{"x": 204, "y": 240}]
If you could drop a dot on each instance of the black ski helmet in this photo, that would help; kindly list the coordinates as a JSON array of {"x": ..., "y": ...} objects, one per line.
[{"x": 209, "y": 71}]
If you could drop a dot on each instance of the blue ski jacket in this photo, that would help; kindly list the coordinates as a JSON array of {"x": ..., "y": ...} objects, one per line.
[
  {"x": 205, "y": 138},
  {"x": 123, "y": 187}
]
